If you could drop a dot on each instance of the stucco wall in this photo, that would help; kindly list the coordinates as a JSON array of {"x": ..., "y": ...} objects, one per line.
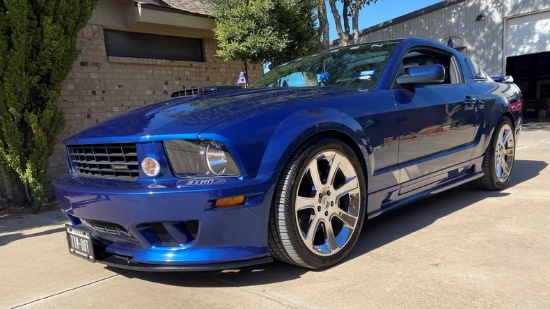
[{"x": 99, "y": 87}]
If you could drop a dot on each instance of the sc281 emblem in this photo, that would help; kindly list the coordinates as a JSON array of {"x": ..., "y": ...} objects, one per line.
[{"x": 199, "y": 182}]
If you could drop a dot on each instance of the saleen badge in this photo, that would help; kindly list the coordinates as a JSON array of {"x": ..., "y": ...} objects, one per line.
[{"x": 119, "y": 167}]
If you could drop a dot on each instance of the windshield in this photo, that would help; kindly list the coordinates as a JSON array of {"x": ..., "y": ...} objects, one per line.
[{"x": 356, "y": 66}]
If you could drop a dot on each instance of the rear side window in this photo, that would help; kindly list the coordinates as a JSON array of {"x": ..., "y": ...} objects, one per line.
[
  {"x": 425, "y": 56},
  {"x": 476, "y": 71}
]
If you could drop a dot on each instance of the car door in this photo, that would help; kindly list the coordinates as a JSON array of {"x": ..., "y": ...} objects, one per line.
[{"x": 436, "y": 122}]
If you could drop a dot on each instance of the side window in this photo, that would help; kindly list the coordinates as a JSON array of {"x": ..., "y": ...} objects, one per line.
[
  {"x": 471, "y": 66},
  {"x": 476, "y": 71},
  {"x": 456, "y": 75},
  {"x": 427, "y": 56}
]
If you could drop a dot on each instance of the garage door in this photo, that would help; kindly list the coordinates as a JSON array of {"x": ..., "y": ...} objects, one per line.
[{"x": 528, "y": 34}]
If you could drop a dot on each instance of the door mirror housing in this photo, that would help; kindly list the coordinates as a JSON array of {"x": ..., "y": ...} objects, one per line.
[{"x": 423, "y": 74}]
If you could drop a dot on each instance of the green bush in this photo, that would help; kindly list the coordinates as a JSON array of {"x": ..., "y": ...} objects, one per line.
[{"x": 38, "y": 48}]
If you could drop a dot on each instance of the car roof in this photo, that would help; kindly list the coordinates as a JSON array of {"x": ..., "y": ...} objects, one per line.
[
  {"x": 412, "y": 40},
  {"x": 403, "y": 42}
]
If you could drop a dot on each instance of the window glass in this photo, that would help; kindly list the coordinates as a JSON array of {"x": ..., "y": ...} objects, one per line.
[
  {"x": 476, "y": 71},
  {"x": 358, "y": 66},
  {"x": 428, "y": 56},
  {"x": 152, "y": 46}
]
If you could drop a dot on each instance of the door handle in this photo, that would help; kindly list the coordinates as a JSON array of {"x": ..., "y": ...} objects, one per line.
[{"x": 470, "y": 102}]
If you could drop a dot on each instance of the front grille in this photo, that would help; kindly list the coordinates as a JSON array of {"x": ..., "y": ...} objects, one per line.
[{"x": 115, "y": 161}]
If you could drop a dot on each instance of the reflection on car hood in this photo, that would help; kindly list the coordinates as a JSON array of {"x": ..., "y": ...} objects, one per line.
[{"x": 192, "y": 115}]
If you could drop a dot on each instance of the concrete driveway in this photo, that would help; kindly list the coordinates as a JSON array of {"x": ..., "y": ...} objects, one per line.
[{"x": 462, "y": 248}]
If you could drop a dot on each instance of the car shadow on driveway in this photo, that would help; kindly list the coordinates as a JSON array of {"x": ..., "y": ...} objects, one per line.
[
  {"x": 525, "y": 170},
  {"x": 410, "y": 218},
  {"x": 19, "y": 228},
  {"x": 413, "y": 217},
  {"x": 376, "y": 233},
  {"x": 6, "y": 239}
]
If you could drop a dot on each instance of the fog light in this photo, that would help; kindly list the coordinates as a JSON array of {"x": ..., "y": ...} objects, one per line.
[
  {"x": 150, "y": 167},
  {"x": 230, "y": 201}
]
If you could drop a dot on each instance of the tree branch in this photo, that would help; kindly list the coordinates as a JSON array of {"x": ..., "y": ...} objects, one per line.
[
  {"x": 345, "y": 15},
  {"x": 355, "y": 21},
  {"x": 344, "y": 38},
  {"x": 323, "y": 24}
]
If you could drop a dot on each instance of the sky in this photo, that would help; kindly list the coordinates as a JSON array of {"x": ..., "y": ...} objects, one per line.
[{"x": 382, "y": 11}]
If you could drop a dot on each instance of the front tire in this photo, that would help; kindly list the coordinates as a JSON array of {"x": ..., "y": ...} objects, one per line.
[
  {"x": 319, "y": 205},
  {"x": 499, "y": 157}
]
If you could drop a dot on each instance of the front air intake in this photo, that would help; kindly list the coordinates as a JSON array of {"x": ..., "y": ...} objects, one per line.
[{"x": 169, "y": 234}]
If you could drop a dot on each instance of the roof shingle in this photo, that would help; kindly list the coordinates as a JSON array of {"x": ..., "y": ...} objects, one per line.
[{"x": 191, "y": 6}]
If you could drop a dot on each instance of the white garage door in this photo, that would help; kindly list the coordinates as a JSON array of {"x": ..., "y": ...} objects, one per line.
[{"x": 528, "y": 34}]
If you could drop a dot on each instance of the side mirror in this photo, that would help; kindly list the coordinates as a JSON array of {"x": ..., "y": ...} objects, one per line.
[{"x": 424, "y": 74}]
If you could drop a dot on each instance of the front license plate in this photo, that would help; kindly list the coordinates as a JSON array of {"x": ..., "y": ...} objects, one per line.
[{"x": 80, "y": 243}]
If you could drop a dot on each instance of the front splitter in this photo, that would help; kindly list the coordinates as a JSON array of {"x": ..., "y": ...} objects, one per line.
[{"x": 126, "y": 263}]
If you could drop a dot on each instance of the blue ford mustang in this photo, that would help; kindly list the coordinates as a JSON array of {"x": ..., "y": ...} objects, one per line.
[{"x": 291, "y": 167}]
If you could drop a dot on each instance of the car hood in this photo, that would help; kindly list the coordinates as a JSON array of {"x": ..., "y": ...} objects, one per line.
[{"x": 188, "y": 116}]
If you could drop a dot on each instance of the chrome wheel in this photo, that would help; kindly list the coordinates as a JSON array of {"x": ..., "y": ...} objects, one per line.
[
  {"x": 318, "y": 205},
  {"x": 505, "y": 149},
  {"x": 327, "y": 203},
  {"x": 498, "y": 158}
]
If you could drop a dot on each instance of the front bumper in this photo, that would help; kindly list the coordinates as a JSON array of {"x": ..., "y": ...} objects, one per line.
[{"x": 170, "y": 226}]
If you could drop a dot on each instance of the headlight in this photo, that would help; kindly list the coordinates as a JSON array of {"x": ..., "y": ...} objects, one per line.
[
  {"x": 216, "y": 158},
  {"x": 200, "y": 158}
]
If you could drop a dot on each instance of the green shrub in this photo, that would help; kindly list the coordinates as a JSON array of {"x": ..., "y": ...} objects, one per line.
[{"x": 38, "y": 48}]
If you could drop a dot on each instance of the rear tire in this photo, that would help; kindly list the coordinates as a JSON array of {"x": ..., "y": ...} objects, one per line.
[
  {"x": 499, "y": 157},
  {"x": 319, "y": 205}
]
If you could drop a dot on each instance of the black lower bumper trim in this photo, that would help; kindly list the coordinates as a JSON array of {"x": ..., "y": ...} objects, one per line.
[{"x": 125, "y": 263}]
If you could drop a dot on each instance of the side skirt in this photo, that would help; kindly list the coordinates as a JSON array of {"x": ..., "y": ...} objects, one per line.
[{"x": 424, "y": 194}]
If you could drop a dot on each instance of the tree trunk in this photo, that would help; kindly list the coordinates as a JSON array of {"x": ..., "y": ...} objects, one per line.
[
  {"x": 323, "y": 24},
  {"x": 28, "y": 195},
  {"x": 355, "y": 22},
  {"x": 19, "y": 191},
  {"x": 345, "y": 15},
  {"x": 344, "y": 37}
]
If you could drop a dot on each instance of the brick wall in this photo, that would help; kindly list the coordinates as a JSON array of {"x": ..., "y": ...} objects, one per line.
[{"x": 99, "y": 87}]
